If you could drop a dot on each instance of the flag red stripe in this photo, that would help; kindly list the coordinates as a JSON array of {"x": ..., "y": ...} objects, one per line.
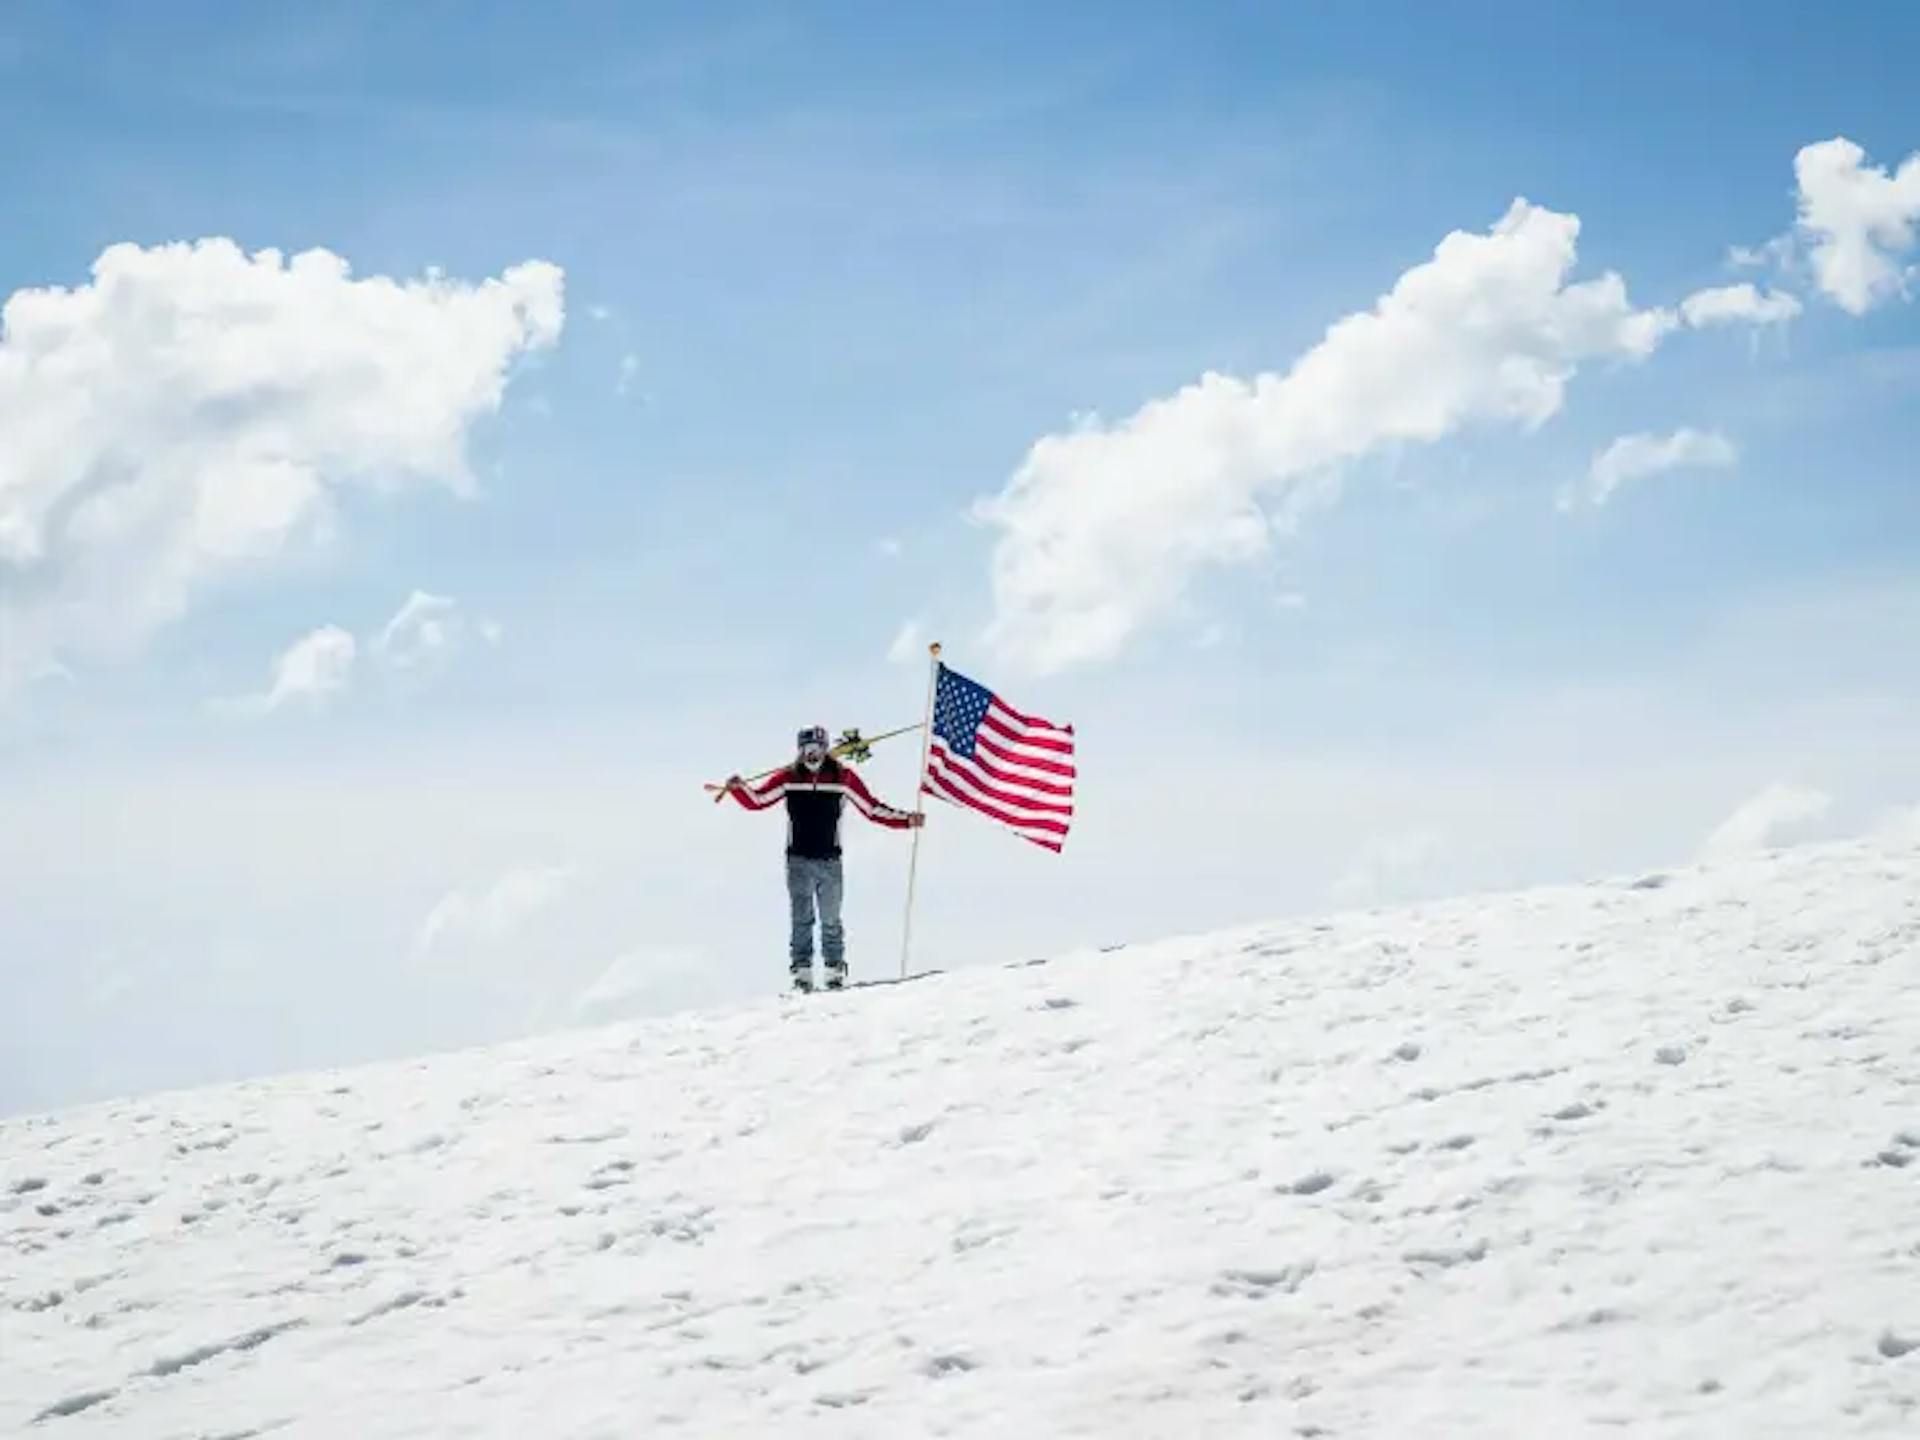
[
  {"x": 1031, "y": 721},
  {"x": 1024, "y": 737},
  {"x": 1030, "y": 762},
  {"x": 1007, "y": 777},
  {"x": 954, "y": 792},
  {"x": 959, "y": 771}
]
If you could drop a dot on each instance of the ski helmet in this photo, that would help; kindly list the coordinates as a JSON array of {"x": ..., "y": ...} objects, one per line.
[{"x": 813, "y": 746}]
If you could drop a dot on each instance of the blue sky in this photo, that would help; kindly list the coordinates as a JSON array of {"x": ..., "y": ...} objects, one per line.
[{"x": 830, "y": 273}]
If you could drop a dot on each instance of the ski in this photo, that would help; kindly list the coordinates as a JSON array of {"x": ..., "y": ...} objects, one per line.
[{"x": 852, "y": 747}]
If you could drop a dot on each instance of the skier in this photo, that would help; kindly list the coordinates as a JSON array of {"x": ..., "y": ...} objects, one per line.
[{"x": 814, "y": 787}]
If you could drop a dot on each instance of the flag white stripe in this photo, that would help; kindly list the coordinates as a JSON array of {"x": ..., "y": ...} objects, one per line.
[
  {"x": 1035, "y": 725},
  {"x": 1000, "y": 772},
  {"x": 1010, "y": 813},
  {"x": 943, "y": 786},
  {"x": 1007, "y": 794},
  {"x": 1059, "y": 742},
  {"x": 1060, "y": 769},
  {"x": 1018, "y": 751}
]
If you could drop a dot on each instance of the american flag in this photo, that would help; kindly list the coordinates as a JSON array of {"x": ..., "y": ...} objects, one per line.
[{"x": 1012, "y": 768}]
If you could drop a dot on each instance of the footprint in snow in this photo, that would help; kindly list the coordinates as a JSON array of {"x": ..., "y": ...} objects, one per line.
[
  {"x": 74, "y": 1404},
  {"x": 1258, "y": 1284},
  {"x": 1894, "y": 1347},
  {"x": 1448, "y": 1258}
]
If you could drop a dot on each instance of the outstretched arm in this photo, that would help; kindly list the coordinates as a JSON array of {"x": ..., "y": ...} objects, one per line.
[
  {"x": 770, "y": 791},
  {"x": 886, "y": 815}
]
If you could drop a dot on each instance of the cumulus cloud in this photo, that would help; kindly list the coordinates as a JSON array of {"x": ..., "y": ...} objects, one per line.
[
  {"x": 493, "y": 912},
  {"x": 1858, "y": 222},
  {"x": 1102, "y": 526},
  {"x": 194, "y": 411},
  {"x": 1738, "y": 304},
  {"x": 1775, "y": 816},
  {"x": 314, "y": 667},
  {"x": 1634, "y": 457}
]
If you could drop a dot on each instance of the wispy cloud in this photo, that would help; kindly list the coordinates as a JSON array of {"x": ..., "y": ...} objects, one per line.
[
  {"x": 427, "y": 632},
  {"x": 1635, "y": 457},
  {"x": 908, "y": 645},
  {"x": 315, "y": 667},
  {"x": 1772, "y": 817},
  {"x": 492, "y": 912},
  {"x": 636, "y": 982},
  {"x": 1738, "y": 304},
  {"x": 1395, "y": 867}
]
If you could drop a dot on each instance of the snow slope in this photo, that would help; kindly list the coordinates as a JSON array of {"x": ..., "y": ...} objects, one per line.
[{"x": 1636, "y": 1157}]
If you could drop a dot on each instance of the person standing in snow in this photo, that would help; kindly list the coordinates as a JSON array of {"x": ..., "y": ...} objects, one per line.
[{"x": 814, "y": 787}]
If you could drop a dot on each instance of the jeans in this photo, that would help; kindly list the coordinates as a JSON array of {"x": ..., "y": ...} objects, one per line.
[{"x": 812, "y": 883}]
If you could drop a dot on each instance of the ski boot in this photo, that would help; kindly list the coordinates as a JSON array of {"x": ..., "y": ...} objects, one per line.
[
  {"x": 836, "y": 975},
  {"x": 802, "y": 979}
]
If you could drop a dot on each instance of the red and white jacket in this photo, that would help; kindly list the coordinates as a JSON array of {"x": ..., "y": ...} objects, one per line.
[{"x": 814, "y": 799}]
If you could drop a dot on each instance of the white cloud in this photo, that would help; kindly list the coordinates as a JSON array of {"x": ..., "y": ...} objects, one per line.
[
  {"x": 638, "y": 982},
  {"x": 493, "y": 913},
  {"x": 908, "y": 644},
  {"x": 1899, "y": 827},
  {"x": 1737, "y": 304},
  {"x": 599, "y": 312},
  {"x": 427, "y": 632},
  {"x": 314, "y": 667},
  {"x": 629, "y": 372},
  {"x": 1393, "y": 868},
  {"x": 1772, "y": 817},
  {"x": 193, "y": 411},
  {"x": 1777, "y": 253},
  {"x": 1858, "y": 221},
  {"x": 1102, "y": 526},
  {"x": 1634, "y": 457},
  {"x": 889, "y": 547}
]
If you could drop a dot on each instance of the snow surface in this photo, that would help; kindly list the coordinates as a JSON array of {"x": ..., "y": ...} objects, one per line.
[{"x": 1639, "y": 1157}]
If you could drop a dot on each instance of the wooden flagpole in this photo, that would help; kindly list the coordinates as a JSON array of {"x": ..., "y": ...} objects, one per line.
[{"x": 920, "y": 802}]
